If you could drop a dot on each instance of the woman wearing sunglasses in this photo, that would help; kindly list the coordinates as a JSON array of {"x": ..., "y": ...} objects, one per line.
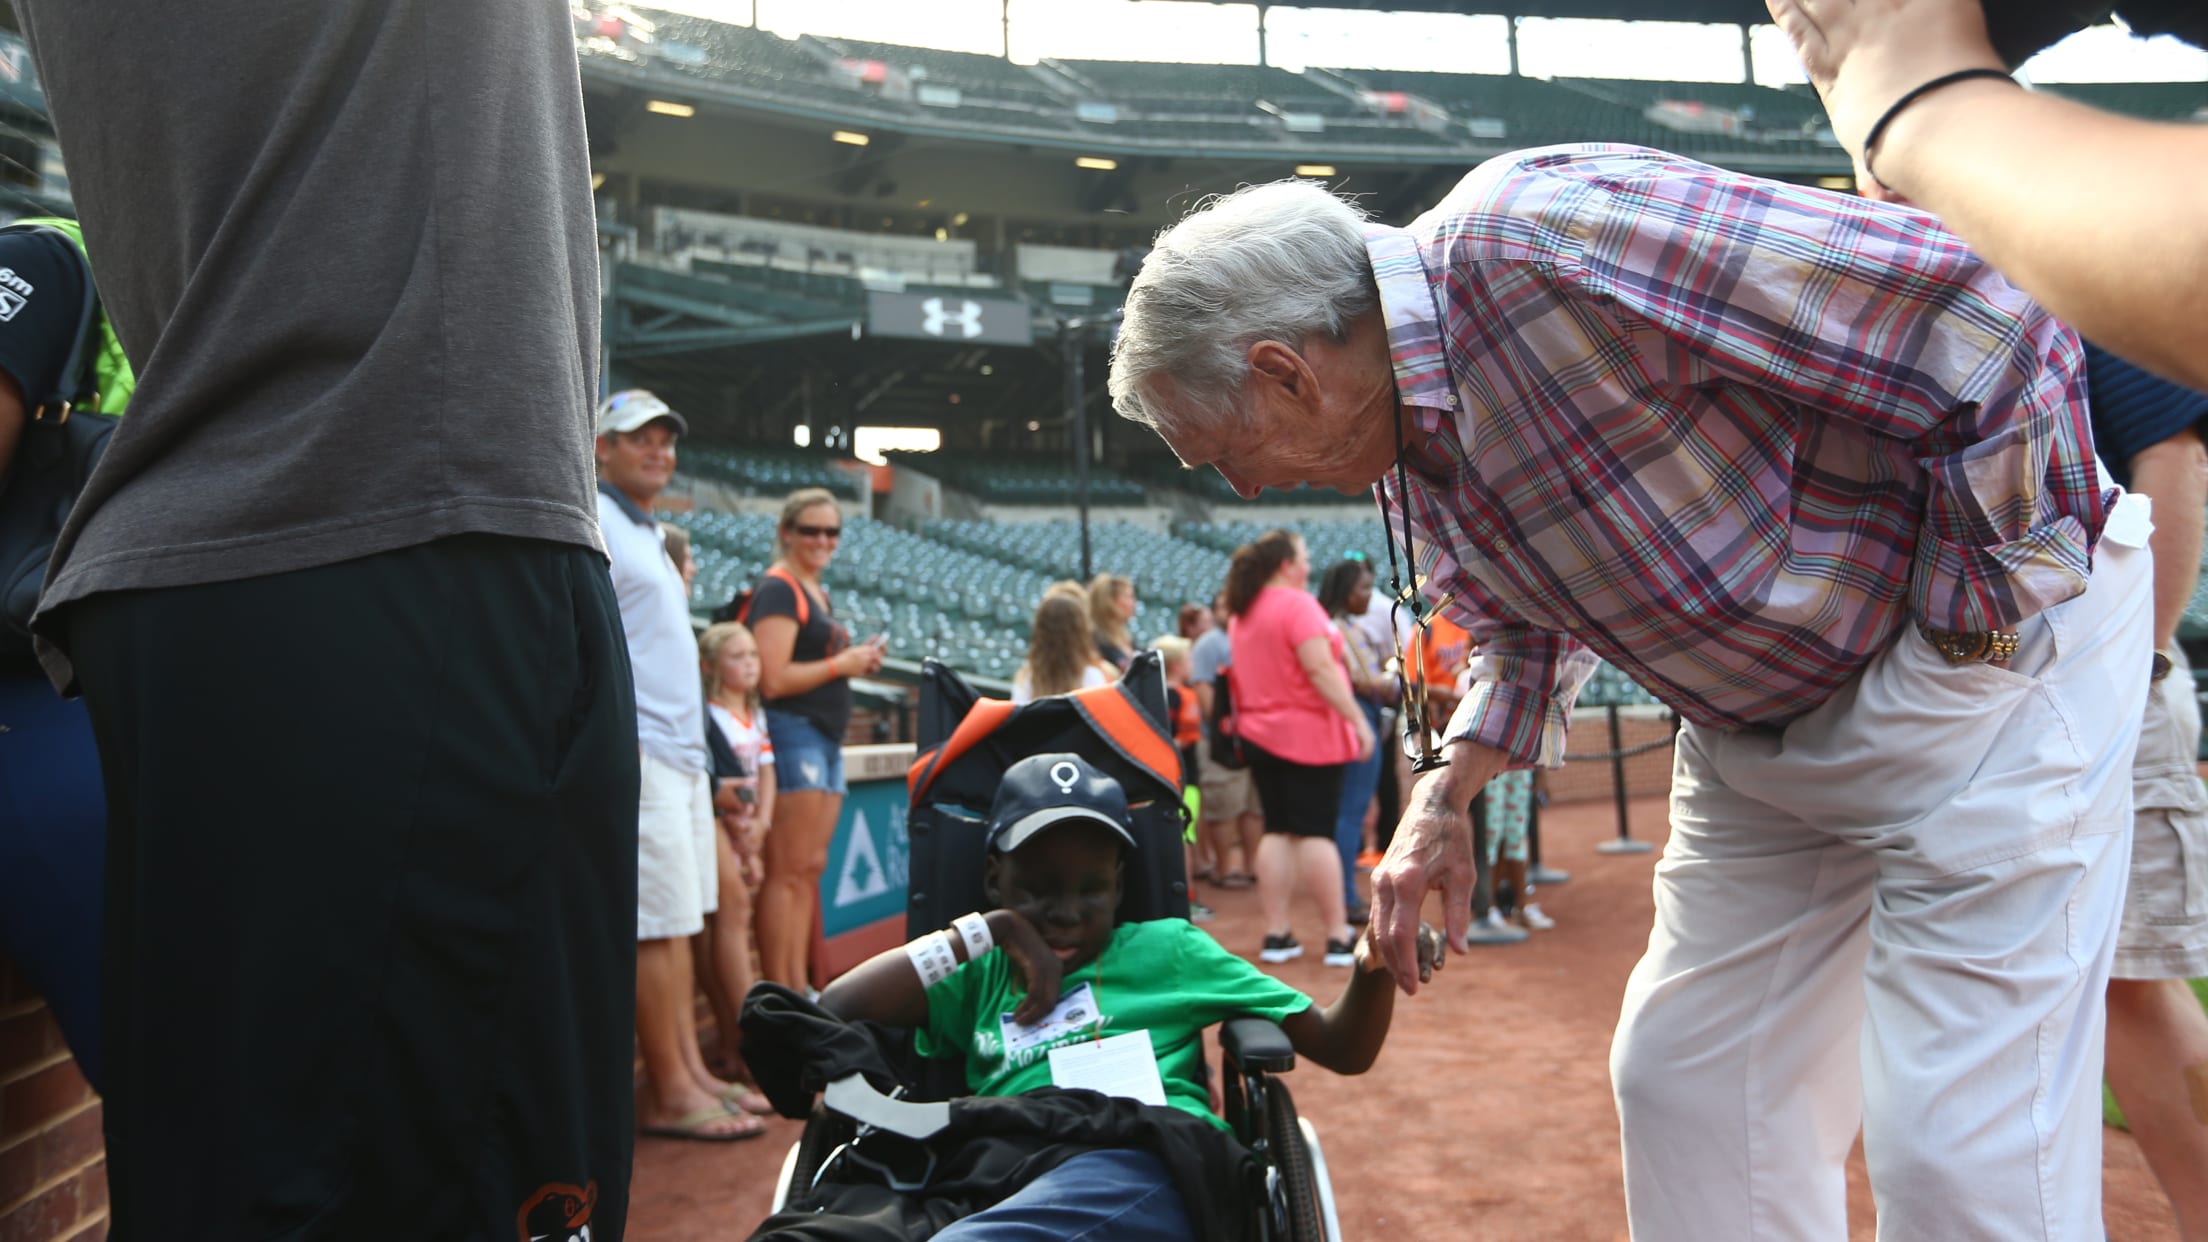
[{"x": 806, "y": 661}]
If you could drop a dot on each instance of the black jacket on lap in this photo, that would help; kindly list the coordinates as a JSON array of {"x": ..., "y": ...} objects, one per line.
[{"x": 993, "y": 1147}]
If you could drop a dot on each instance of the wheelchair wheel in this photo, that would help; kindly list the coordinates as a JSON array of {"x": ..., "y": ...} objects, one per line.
[
  {"x": 1298, "y": 1184},
  {"x": 824, "y": 1132}
]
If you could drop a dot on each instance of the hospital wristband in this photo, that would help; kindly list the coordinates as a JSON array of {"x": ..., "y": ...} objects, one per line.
[
  {"x": 933, "y": 957},
  {"x": 974, "y": 930}
]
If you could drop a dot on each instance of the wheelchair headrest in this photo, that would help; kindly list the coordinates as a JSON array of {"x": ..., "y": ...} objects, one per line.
[{"x": 1121, "y": 728}]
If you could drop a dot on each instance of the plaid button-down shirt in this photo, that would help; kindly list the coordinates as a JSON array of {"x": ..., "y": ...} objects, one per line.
[{"x": 1727, "y": 433}]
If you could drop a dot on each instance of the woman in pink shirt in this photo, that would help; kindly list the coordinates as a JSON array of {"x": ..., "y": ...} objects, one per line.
[{"x": 1300, "y": 727}]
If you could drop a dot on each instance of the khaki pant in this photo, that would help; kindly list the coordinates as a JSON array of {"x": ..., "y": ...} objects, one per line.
[{"x": 1900, "y": 909}]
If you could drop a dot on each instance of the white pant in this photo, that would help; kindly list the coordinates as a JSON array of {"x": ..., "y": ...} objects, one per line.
[
  {"x": 678, "y": 876},
  {"x": 1898, "y": 912}
]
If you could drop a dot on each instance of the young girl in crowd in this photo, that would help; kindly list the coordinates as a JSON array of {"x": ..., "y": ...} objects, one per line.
[
  {"x": 1509, "y": 815},
  {"x": 1188, "y": 734},
  {"x": 728, "y": 658},
  {"x": 1111, "y": 607},
  {"x": 1061, "y": 650}
]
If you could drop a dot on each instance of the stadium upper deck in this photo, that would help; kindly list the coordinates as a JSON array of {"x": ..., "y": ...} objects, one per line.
[
  {"x": 1114, "y": 107},
  {"x": 1117, "y": 107}
]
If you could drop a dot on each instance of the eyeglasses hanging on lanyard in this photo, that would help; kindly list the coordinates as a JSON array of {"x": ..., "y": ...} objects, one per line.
[{"x": 1418, "y": 731}]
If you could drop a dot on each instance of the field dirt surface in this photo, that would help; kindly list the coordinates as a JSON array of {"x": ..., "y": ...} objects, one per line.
[{"x": 1488, "y": 1117}]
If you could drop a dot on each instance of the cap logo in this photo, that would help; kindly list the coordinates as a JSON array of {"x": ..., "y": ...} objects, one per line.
[{"x": 1065, "y": 776}]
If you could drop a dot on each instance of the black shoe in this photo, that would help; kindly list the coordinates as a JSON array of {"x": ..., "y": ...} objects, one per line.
[
  {"x": 1340, "y": 953},
  {"x": 1360, "y": 914},
  {"x": 1280, "y": 949}
]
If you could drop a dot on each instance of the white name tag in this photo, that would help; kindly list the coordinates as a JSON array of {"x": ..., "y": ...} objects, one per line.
[
  {"x": 1075, "y": 1011},
  {"x": 1124, "y": 1065}
]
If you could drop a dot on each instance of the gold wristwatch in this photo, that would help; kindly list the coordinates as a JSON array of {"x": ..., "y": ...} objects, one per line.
[{"x": 1972, "y": 646}]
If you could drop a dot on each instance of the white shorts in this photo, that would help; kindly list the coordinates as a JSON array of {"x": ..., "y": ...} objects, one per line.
[
  {"x": 2165, "y": 929},
  {"x": 677, "y": 876}
]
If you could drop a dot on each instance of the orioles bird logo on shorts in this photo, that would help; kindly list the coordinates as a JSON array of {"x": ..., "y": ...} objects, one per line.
[{"x": 557, "y": 1212}]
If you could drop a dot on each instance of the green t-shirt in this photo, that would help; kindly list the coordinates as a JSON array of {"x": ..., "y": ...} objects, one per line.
[{"x": 1167, "y": 977}]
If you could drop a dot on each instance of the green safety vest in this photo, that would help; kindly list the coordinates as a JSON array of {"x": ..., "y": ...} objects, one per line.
[{"x": 111, "y": 374}]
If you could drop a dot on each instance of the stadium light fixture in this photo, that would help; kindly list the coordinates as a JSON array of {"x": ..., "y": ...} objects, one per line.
[
  {"x": 597, "y": 180},
  {"x": 668, "y": 107},
  {"x": 1096, "y": 162},
  {"x": 1314, "y": 170},
  {"x": 851, "y": 137},
  {"x": 959, "y": 221},
  {"x": 1835, "y": 183}
]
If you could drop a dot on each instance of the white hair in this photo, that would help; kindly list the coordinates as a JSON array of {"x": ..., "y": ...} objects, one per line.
[{"x": 1277, "y": 262}]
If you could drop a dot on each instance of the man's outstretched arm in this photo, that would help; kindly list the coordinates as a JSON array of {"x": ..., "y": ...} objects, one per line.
[{"x": 2097, "y": 216}]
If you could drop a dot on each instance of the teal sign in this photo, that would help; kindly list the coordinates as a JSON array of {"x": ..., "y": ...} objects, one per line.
[{"x": 869, "y": 860}]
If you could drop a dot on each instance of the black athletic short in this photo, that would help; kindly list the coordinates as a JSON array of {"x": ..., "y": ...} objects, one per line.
[
  {"x": 1300, "y": 799},
  {"x": 371, "y": 932}
]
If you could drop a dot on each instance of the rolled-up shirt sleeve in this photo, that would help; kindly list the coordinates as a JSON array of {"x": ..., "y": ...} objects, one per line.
[
  {"x": 1524, "y": 682},
  {"x": 1874, "y": 316}
]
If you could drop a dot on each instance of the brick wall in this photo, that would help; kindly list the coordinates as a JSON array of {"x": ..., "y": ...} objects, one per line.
[{"x": 53, "y": 1168}]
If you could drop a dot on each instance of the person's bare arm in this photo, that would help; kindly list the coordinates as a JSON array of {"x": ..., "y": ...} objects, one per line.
[
  {"x": 1316, "y": 655},
  {"x": 2174, "y": 474},
  {"x": 1432, "y": 849},
  {"x": 764, "y": 812},
  {"x": 1203, "y": 697},
  {"x": 1346, "y": 1036},
  {"x": 2097, "y": 216},
  {"x": 11, "y": 420},
  {"x": 886, "y": 988},
  {"x": 780, "y": 676}
]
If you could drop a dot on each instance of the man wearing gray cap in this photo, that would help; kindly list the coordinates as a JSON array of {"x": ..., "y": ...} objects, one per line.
[{"x": 676, "y": 876}]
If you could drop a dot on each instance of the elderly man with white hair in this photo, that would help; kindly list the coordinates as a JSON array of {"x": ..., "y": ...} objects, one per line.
[{"x": 1808, "y": 470}]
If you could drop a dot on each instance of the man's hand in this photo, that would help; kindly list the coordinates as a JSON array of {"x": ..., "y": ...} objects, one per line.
[
  {"x": 1432, "y": 849},
  {"x": 1037, "y": 969},
  {"x": 1863, "y": 55}
]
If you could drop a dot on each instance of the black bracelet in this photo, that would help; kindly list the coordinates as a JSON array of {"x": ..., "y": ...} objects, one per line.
[{"x": 1947, "y": 79}]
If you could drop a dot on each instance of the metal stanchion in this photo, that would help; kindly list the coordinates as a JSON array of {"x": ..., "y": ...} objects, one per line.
[{"x": 1625, "y": 844}]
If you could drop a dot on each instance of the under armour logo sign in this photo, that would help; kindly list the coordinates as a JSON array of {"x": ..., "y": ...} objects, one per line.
[
  {"x": 940, "y": 318},
  {"x": 1064, "y": 775}
]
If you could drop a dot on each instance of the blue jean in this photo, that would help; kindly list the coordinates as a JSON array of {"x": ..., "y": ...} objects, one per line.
[
  {"x": 805, "y": 759},
  {"x": 1360, "y": 783},
  {"x": 1119, "y": 1195},
  {"x": 53, "y": 848}
]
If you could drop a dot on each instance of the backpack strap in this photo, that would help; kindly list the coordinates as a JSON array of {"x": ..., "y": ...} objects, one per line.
[
  {"x": 73, "y": 386},
  {"x": 804, "y": 601}
]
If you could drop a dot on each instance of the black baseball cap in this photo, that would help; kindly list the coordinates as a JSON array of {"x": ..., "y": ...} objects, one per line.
[{"x": 1042, "y": 791}]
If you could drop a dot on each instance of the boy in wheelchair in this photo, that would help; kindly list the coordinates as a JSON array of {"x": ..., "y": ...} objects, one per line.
[{"x": 1045, "y": 991}]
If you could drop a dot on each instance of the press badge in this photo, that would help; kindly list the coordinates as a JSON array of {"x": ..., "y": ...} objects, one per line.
[
  {"x": 1074, "y": 1013},
  {"x": 1124, "y": 1065}
]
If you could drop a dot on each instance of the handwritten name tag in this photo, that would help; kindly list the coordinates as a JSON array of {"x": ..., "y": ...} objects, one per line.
[{"x": 1124, "y": 1065}]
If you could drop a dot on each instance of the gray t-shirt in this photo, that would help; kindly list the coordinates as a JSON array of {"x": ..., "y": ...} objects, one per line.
[
  {"x": 349, "y": 249},
  {"x": 1211, "y": 652}
]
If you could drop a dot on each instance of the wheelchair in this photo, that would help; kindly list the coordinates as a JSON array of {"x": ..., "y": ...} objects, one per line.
[{"x": 965, "y": 744}]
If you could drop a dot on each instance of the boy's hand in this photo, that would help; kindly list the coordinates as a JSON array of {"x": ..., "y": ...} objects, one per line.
[
  {"x": 1431, "y": 957},
  {"x": 1033, "y": 964}
]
